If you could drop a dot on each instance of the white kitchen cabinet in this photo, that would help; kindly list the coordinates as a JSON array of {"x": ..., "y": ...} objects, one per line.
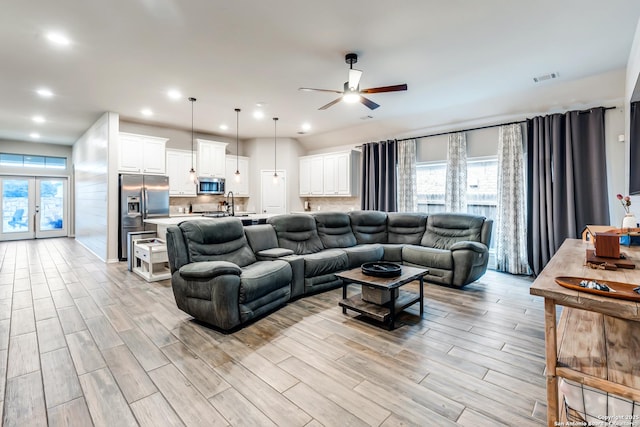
[
  {"x": 330, "y": 174},
  {"x": 316, "y": 167},
  {"x": 211, "y": 158},
  {"x": 141, "y": 154},
  {"x": 305, "y": 176},
  {"x": 178, "y": 166},
  {"x": 240, "y": 188}
]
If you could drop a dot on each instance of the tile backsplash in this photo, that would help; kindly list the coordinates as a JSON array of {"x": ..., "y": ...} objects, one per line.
[
  {"x": 177, "y": 203},
  {"x": 335, "y": 204}
]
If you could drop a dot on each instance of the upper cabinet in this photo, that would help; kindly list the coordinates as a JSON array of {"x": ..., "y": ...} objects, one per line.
[
  {"x": 330, "y": 174},
  {"x": 141, "y": 154},
  {"x": 211, "y": 158},
  {"x": 241, "y": 187},
  {"x": 179, "y": 164}
]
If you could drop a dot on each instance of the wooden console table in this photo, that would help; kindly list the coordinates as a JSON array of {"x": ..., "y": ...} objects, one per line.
[{"x": 598, "y": 336}]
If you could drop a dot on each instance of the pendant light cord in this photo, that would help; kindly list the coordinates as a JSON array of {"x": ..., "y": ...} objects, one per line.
[
  {"x": 192, "y": 101},
  {"x": 237, "y": 137},
  {"x": 275, "y": 125}
]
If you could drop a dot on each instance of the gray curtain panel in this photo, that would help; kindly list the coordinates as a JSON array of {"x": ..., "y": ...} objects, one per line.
[
  {"x": 379, "y": 161},
  {"x": 566, "y": 180},
  {"x": 634, "y": 149}
]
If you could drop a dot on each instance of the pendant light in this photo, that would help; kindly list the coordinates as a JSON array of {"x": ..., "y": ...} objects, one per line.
[
  {"x": 275, "y": 140},
  {"x": 237, "y": 174},
  {"x": 192, "y": 172}
]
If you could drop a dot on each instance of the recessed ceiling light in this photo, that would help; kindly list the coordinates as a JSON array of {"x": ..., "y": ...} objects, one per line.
[
  {"x": 224, "y": 127},
  {"x": 38, "y": 119},
  {"x": 34, "y": 135},
  {"x": 59, "y": 39},
  {"x": 306, "y": 127},
  {"x": 44, "y": 92},
  {"x": 258, "y": 114},
  {"x": 174, "y": 94},
  {"x": 146, "y": 112}
]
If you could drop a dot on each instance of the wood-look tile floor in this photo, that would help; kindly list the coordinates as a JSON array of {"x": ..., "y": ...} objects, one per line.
[{"x": 87, "y": 343}]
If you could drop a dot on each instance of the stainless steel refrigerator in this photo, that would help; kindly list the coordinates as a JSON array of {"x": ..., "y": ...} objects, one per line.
[{"x": 141, "y": 197}]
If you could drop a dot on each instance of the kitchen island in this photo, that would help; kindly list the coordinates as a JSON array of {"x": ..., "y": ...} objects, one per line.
[{"x": 163, "y": 223}]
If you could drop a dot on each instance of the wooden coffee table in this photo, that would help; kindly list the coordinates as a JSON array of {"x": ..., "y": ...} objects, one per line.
[{"x": 385, "y": 313}]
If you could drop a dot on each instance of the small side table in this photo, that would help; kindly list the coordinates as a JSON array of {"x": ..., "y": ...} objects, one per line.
[{"x": 150, "y": 259}]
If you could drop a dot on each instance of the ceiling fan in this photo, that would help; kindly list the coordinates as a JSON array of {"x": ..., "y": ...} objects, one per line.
[{"x": 352, "y": 92}]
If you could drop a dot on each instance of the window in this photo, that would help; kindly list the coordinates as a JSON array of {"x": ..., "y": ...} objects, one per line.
[
  {"x": 482, "y": 190},
  {"x": 28, "y": 161}
]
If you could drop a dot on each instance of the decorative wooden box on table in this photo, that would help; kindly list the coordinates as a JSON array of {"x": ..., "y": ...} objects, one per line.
[{"x": 596, "y": 344}]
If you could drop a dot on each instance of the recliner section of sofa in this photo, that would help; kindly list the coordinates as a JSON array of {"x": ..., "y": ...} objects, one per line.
[
  {"x": 216, "y": 277},
  {"x": 299, "y": 233}
]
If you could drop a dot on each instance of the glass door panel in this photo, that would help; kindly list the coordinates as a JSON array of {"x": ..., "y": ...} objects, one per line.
[
  {"x": 50, "y": 207},
  {"x": 17, "y": 208}
]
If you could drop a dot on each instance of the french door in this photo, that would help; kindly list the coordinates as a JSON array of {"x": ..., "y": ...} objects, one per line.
[{"x": 33, "y": 207}]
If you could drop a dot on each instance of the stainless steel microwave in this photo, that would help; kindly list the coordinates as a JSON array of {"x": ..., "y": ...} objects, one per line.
[{"x": 207, "y": 185}]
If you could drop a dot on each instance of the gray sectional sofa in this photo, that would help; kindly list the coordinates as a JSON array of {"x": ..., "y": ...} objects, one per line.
[{"x": 225, "y": 274}]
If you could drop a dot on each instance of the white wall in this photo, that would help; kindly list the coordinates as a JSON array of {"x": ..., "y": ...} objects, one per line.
[
  {"x": 93, "y": 204},
  {"x": 261, "y": 152}
]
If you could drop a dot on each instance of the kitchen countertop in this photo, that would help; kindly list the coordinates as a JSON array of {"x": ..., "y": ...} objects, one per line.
[{"x": 175, "y": 220}]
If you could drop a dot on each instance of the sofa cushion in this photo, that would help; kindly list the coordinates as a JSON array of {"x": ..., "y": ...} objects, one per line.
[
  {"x": 325, "y": 262},
  {"x": 358, "y": 255},
  {"x": 369, "y": 226},
  {"x": 406, "y": 227},
  {"x": 445, "y": 229},
  {"x": 428, "y": 257},
  {"x": 297, "y": 232},
  {"x": 334, "y": 229},
  {"x": 221, "y": 239},
  {"x": 262, "y": 278}
]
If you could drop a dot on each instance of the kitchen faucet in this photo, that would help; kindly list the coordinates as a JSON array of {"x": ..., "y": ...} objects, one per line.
[{"x": 233, "y": 204}]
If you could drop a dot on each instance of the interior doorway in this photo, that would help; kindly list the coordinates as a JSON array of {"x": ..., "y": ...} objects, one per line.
[
  {"x": 33, "y": 207},
  {"x": 273, "y": 193}
]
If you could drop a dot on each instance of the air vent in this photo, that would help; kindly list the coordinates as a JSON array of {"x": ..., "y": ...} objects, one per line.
[{"x": 546, "y": 77}]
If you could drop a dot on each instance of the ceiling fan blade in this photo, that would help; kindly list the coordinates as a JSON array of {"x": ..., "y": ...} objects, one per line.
[
  {"x": 310, "y": 89},
  {"x": 354, "y": 78},
  {"x": 324, "y": 107},
  {"x": 394, "y": 88},
  {"x": 369, "y": 103}
]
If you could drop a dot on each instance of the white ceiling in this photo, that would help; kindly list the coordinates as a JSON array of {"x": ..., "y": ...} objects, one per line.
[{"x": 460, "y": 59}]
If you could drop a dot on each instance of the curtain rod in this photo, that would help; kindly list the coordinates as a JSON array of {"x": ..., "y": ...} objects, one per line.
[{"x": 479, "y": 128}]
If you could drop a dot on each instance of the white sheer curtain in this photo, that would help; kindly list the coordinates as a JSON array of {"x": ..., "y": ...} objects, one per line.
[
  {"x": 455, "y": 198},
  {"x": 407, "y": 193},
  {"x": 511, "y": 224}
]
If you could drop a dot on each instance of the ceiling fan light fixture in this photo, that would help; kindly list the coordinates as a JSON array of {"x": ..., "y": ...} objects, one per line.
[{"x": 351, "y": 97}]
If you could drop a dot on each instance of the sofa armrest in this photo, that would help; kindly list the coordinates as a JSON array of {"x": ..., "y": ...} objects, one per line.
[
  {"x": 474, "y": 246},
  {"x": 209, "y": 269},
  {"x": 273, "y": 253}
]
